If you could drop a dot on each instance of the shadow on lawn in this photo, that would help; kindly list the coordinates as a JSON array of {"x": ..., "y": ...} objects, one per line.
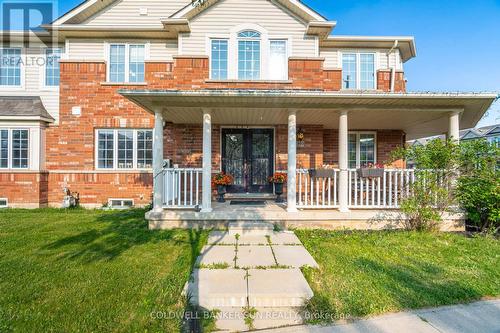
[
  {"x": 416, "y": 284},
  {"x": 117, "y": 232}
]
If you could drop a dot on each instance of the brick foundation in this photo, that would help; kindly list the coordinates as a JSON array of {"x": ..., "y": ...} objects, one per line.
[{"x": 24, "y": 189}]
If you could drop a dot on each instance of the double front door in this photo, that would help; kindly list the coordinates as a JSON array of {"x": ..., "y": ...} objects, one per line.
[{"x": 247, "y": 155}]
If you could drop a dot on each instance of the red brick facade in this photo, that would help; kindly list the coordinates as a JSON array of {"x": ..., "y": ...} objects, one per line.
[{"x": 70, "y": 144}]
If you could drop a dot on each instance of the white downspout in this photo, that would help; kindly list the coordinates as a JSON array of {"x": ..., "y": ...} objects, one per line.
[{"x": 393, "y": 68}]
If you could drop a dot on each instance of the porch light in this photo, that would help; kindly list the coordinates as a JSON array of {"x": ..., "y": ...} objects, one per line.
[{"x": 300, "y": 135}]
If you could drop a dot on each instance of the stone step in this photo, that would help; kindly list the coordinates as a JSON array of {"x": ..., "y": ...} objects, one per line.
[
  {"x": 217, "y": 288},
  {"x": 256, "y": 228},
  {"x": 267, "y": 288},
  {"x": 233, "y": 319}
]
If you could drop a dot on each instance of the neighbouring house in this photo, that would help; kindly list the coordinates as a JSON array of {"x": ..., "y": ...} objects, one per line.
[
  {"x": 144, "y": 100},
  {"x": 490, "y": 133}
]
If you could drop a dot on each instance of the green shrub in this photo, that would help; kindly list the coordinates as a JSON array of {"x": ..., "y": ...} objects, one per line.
[
  {"x": 430, "y": 195},
  {"x": 478, "y": 188}
]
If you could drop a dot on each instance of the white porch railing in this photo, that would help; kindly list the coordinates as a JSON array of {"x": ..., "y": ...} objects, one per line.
[
  {"x": 381, "y": 192},
  {"x": 182, "y": 188},
  {"x": 317, "y": 192}
]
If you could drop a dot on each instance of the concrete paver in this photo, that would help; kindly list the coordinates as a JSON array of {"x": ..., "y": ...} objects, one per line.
[
  {"x": 220, "y": 238},
  {"x": 277, "y": 288},
  {"x": 217, "y": 288},
  {"x": 255, "y": 256},
  {"x": 211, "y": 255},
  {"x": 285, "y": 238},
  {"x": 293, "y": 256},
  {"x": 250, "y": 239}
]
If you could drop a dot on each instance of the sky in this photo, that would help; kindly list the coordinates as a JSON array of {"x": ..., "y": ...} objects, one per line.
[{"x": 458, "y": 42}]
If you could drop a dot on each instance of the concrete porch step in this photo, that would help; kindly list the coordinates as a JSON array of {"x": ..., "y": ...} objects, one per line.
[
  {"x": 266, "y": 288},
  {"x": 254, "y": 227}
]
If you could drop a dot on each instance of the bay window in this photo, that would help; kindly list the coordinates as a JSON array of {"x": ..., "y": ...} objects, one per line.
[
  {"x": 362, "y": 149},
  {"x": 358, "y": 71},
  {"x": 218, "y": 64},
  {"x": 124, "y": 149},
  {"x": 249, "y": 55},
  {"x": 126, "y": 63},
  {"x": 14, "y": 148},
  {"x": 10, "y": 66}
]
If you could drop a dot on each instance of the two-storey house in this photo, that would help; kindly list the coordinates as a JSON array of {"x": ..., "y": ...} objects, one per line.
[{"x": 155, "y": 96}]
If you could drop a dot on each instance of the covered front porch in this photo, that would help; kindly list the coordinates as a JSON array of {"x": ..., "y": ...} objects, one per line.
[{"x": 184, "y": 196}]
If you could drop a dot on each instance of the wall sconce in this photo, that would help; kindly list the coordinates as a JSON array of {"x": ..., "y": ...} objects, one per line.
[{"x": 300, "y": 137}]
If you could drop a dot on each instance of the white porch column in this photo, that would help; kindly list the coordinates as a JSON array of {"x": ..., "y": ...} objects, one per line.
[
  {"x": 158, "y": 163},
  {"x": 206, "y": 188},
  {"x": 454, "y": 126},
  {"x": 292, "y": 162},
  {"x": 343, "y": 162}
]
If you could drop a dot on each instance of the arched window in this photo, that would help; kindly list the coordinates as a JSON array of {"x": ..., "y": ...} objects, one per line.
[{"x": 249, "y": 55}]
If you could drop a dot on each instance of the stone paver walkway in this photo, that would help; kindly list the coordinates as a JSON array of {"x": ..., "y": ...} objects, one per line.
[
  {"x": 478, "y": 317},
  {"x": 252, "y": 266}
]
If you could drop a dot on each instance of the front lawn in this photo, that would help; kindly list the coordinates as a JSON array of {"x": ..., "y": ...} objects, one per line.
[
  {"x": 84, "y": 271},
  {"x": 369, "y": 273}
]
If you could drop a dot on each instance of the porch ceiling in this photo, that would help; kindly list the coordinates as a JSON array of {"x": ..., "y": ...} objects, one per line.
[{"x": 419, "y": 115}]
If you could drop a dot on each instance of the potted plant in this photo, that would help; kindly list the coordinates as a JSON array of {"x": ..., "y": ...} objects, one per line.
[
  {"x": 278, "y": 179},
  {"x": 325, "y": 171},
  {"x": 221, "y": 180},
  {"x": 371, "y": 170}
]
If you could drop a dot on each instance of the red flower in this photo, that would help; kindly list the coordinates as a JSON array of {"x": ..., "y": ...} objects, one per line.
[
  {"x": 278, "y": 177},
  {"x": 222, "y": 179}
]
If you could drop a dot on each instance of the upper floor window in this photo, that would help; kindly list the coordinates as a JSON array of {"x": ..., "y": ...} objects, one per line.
[
  {"x": 249, "y": 55},
  {"x": 358, "y": 71},
  {"x": 126, "y": 63},
  {"x": 52, "y": 57},
  {"x": 124, "y": 149},
  {"x": 10, "y": 66},
  {"x": 219, "y": 59},
  {"x": 362, "y": 149},
  {"x": 278, "y": 60},
  {"x": 14, "y": 147}
]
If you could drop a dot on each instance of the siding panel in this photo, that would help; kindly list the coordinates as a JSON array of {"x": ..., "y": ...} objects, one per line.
[
  {"x": 223, "y": 16},
  {"x": 125, "y": 11}
]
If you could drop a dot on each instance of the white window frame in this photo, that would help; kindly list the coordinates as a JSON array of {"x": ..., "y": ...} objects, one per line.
[
  {"x": 358, "y": 68},
  {"x": 9, "y": 151},
  {"x": 287, "y": 56},
  {"x": 6, "y": 203},
  {"x": 127, "y": 45},
  {"x": 115, "y": 149},
  {"x": 210, "y": 40},
  {"x": 43, "y": 69},
  {"x": 358, "y": 146},
  {"x": 22, "y": 71},
  {"x": 232, "y": 37},
  {"x": 122, "y": 206}
]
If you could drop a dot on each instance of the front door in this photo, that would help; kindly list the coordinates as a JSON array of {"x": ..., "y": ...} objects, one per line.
[{"x": 247, "y": 155}]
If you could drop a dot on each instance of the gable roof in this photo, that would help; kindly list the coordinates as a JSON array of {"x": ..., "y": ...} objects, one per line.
[
  {"x": 295, "y": 6},
  {"x": 22, "y": 107}
]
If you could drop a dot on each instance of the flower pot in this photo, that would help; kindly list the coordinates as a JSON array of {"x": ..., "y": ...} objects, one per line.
[
  {"x": 278, "y": 190},
  {"x": 371, "y": 172},
  {"x": 322, "y": 173},
  {"x": 221, "y": 191}
]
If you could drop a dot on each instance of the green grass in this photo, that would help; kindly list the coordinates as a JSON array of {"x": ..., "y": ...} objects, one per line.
[
  {"x": 84, "y": 271},
  {"x": 369, "y": 273}
]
